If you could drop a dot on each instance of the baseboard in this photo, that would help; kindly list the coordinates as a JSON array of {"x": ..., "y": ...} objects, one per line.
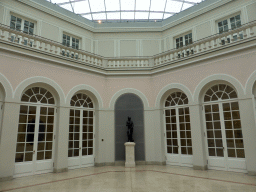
[
  {"x": 140, "y": 162},
  {"x": 155, "y": 163},
  {"x": 122, "y": 163},
  {"x": 6, "y": 178},
  {"x": 252, "y": 173},
  {"x": 110, "y": 164},
  {"x": 119, "y": 163},
  {"x": 104, "y": 164},
  {"x": 203, "y": 168},
  {"x": 60, "y": 170}
]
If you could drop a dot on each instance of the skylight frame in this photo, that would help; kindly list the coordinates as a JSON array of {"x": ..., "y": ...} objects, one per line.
[{"x": 132, "y": 15}]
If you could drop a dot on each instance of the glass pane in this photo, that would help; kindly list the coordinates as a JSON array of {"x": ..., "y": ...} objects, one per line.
[
  {"x": 220, "y": 152},
  {"x": 90, "y": 151},
  {"x": 48, "y": 155},
  {"x": 211, "y": 143},
  {"x": 20, "y": 147},
  {"x": 40, "y": 146},
  {"x": 84, "y": 151},
  {"x": 175, "y": 150},
  {"x": 28, "y": 156},
  {"x": 76, "y": 152},
  {"x": 21, "y": 138},
  {"x": 240, "y": 153},
  {"x": 19, "y": 157},
  {"x": 90, "y": 143},
  {"x": 230, "y": 143},
  {"x": 48, "y": 145},
  {"x": 40, "y": 155},
  {"x": 231, "y": 153},
  {"x": 22, "y": 128},
  {"x": 70, "y": 153},
  {"x": 211, "y": 151}
]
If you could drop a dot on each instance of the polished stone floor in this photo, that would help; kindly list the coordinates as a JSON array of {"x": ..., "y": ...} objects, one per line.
[{"x": 142, "y": 178}]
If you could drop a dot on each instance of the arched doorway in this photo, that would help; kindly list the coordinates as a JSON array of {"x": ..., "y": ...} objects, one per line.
[
  {"x": 132, "y": 106},
  {"x": 35, "y": 139},
  {"x": 223, "y": 129},
  {"x": 178, "y": 140},
  {"x": 81, "y": 132}
]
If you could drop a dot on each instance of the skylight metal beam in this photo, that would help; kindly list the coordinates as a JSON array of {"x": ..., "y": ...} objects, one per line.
[{"x": 126, "y": 9}]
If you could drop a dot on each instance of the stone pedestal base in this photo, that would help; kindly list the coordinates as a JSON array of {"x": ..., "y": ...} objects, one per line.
[{"x": 129, "y": 154}]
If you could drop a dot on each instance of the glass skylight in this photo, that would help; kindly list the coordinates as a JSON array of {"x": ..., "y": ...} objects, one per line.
[{"x": 125, "y": 10}]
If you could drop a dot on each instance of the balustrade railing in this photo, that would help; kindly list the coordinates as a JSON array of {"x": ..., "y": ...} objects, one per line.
[
  {"x": 214, "y": 41},
  {"x": 51, "y": 47},
  {"x": 128, "y": 62}
]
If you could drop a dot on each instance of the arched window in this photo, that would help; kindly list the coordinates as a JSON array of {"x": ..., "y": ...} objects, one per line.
[
  {"x": 223, "y": 125},
  {"x": 177, "y": 122},
  {"x": 220, "y": 92},
  {"x": 81, "y": 100},
  {"x": 36, "y": 127},
  {"x": 38, "y": 94},
  {"x": 81, "y": 131}
]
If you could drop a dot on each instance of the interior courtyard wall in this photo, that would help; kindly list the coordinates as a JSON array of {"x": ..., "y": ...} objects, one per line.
[
  {"x": 48, "y": 26},
  {"x": 109, "y": 45},
  {"x": 24, "y": 68},
  {"x": 205, "y": 25}
]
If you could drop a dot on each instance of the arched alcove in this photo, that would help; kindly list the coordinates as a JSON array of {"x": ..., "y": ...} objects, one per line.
[{"x": 129, "y": 105}]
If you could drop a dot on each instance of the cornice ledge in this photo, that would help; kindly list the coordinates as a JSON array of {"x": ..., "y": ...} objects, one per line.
[
  {"x": 195, "y": 13},
  {"x": 58, "y": 14}
]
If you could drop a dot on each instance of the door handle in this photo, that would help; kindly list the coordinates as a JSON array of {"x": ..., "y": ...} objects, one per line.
[
  {"x": 79, "y": 147},
  {"x": 34, "y": 152}
]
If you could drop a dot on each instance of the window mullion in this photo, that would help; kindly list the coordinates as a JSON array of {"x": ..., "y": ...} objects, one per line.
[
  {"x": 223, "y": 133},
  {"x": 178, "y": 129}
]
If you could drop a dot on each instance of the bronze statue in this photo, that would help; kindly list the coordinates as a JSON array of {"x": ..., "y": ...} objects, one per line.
[{"x": 129, "y": 124}]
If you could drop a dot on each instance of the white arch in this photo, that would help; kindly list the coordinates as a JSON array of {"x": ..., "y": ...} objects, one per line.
[
  {"x": 249, "y": 84},
  {"x": 218, "y": 78},
  {"x": 38, "y": 79},
  {"x": 164, "y": 91},
  {"x": 83, "y": 87},
  {"x": 129, "y": 90},
  {"x": 8, "y": 90}
]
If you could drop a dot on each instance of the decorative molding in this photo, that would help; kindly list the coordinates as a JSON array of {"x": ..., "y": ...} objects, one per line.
[{"x": 219, "y": 78}]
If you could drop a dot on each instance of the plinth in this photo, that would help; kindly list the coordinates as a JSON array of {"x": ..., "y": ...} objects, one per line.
[{"x": 129, "y": 154}]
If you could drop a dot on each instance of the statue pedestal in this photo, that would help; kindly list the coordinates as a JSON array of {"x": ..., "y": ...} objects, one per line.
[{"x": 129, "y": 154}]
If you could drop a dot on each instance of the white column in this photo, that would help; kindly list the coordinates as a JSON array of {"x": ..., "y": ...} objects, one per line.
[
  {"x": 198, "y": 140},
  {"x": 61, "y": 140},
  {"x": 8, "y": 140},
  {"x": 105, "y": 138},
  {"x": 249, "y": 134}
]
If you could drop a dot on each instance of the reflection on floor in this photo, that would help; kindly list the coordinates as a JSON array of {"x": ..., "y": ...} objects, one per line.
[{"x": 142, "y": 178}]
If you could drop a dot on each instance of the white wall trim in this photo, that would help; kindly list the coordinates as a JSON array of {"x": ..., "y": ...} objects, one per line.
[
  {"x": 83, "y": 87},
  {"x": 250, "y": 84},
  {"x": 218, "y": 78},
  {"x": 128, "y": 90},
  {"x": 59, "y": 95},
  {"x": 8, "y": 89},
  {"x": 169, "y": 88}
]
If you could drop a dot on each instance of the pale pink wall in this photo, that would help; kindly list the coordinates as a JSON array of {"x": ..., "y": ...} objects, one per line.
[{"x": 17, "y": 69}]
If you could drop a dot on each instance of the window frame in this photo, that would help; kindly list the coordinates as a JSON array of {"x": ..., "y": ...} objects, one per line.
[
  {"x": 23, "y": 19},
  {"x": 71, "y": 38},
  {"x": 182, "y": 35},
  {"x": 228, "y": 17}
]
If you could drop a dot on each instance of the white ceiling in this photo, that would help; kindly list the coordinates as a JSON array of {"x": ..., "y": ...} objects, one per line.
[{"x": 119, "y": 10}]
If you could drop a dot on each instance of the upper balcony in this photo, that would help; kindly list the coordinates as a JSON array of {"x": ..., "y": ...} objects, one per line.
[{"x": 209, "y": 47}]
